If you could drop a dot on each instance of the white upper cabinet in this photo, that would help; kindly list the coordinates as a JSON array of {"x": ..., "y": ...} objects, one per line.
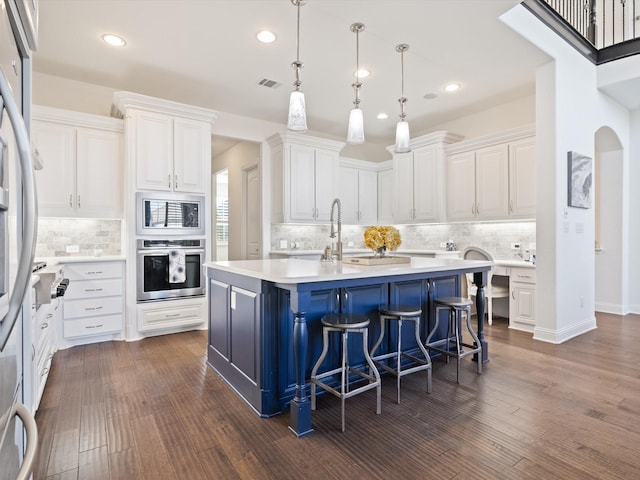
[
  {"x": 386, "y": 194},
  {"x": 493, "y": 177},
  {"x": 419, "y": 179},
  {"x": 171, "y": 153},
  {"x": 522, "y": 178},
  {"x": 82, "y": 164},
  {"x": 305, "y": 174},
  {"x": 168, "y": 143},
  {"x": 358, "y": 192}
]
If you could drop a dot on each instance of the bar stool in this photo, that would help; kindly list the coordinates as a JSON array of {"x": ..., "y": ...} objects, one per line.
[
  {"x": 345, "y": 323},
  {"x": 401, "y": 313},
  {"x": 455, "y": 306}
]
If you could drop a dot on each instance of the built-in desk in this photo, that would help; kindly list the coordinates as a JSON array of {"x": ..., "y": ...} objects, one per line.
[{"x": 264, "y": 318}]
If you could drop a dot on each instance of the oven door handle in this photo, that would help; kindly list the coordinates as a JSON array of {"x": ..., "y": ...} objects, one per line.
[{"x": 167, "y": 251}]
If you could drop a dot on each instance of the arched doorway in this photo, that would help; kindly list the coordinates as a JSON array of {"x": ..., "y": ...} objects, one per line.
[{"x": 611, "y": 247}]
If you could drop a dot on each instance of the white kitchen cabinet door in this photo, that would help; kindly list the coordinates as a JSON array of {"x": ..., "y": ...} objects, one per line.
[
  {"x": 349, "y": 195},
  {"x": 425, "y": 185},
  {"x": 99, "y": 174},
  {"x": 367, "y": 197},
  {"x": 153, "y": 138},
  {"x": 386, "y": 194},
  {"x": 56, "y": 181},
  {"x": 461, "y": 186},
  {"x": 302, "y": 188},
  {"x": 492, "y": 182},
  {"x": 326, "y": 166},
  {"x": 358, "y": 196},
  {"x": 522, "y": 178},
  {"x": 403, "y": 171},
  {"x": 192, "y": 149}
]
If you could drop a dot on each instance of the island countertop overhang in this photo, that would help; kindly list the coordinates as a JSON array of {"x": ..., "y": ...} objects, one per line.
[{"x": 296, "y": 271}]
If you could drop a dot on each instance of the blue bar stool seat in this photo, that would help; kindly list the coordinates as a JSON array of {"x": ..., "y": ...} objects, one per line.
[
  {"x": 400, "y": 314},
  {"x": 452, "y": 344},
  {"x": 344, "y": 324}
]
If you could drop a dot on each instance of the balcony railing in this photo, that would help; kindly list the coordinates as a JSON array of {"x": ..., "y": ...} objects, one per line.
[
  {"x": 602, "y": 30},
  {"x": 602, "y": 22}
]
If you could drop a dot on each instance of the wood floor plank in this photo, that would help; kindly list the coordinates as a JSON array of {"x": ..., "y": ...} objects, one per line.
[{"x": 154, "y": 409}]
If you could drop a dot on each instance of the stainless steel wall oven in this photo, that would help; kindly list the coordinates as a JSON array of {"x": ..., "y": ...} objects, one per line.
[{"x": 169, "y": 268}]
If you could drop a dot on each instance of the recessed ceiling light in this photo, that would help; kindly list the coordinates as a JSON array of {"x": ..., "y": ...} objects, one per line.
[
  {"x": 266, "y": 36},
  {"x": 452, "y": 87},
  {"x": 114, "y": 40},
  {"x": 362, "y": 73},
  {"x": 382, "y": 116}
]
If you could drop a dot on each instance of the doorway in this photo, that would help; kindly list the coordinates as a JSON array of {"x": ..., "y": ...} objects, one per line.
[{"x": 221, "y": 215}]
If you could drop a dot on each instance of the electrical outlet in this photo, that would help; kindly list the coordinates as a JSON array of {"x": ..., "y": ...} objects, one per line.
[
  {"x": 443, "y": 244},
  {"x": 72, "y": 248},
  {"x": 349, "y": 244},
  {"x": 515, "y": 246},
  {"x": 283, "y": 243}
]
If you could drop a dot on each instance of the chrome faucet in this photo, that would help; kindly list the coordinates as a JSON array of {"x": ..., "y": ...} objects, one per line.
[{"x": 338, "y": 250}]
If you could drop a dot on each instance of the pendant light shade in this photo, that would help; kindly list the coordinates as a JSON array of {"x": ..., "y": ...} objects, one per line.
[
  {"x": 402, "y": 129},
  {"x": 355, "y": 130},
  {"x": 297, "y": 120}
]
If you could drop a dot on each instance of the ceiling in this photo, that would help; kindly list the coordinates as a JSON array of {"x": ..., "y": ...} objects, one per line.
[{"x": 205, "y": 53}]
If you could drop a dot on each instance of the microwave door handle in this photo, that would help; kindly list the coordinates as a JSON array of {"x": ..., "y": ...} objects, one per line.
[{"x": 29, "y": 226}]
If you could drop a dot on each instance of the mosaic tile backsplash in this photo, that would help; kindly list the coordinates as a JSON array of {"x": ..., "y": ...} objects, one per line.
[
  {"x": 92, "y": 236},
  {"x": 496, "y": 238}
]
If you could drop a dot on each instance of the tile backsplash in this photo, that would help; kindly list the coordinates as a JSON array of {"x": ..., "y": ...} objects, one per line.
[
  {"x": 92, "y": 236},
  {"x": 496, "y": 237}
]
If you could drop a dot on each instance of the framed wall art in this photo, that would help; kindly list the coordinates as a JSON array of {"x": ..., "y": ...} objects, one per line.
[{"x": 580, "y": 180}]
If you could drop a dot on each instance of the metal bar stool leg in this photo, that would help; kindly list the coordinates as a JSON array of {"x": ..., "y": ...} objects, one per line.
[
  {"x": 416, "y": 331},
  {"x": 475, "y": 338}
]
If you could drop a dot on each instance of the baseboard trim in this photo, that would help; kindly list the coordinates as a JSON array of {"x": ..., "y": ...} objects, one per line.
[{"x": 560, "y": 336}]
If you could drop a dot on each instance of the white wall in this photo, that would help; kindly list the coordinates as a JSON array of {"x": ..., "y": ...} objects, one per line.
[
  {"x": 569, "y": 111},
  {"x": 634, "y": 205},
  {"x": 237, "y": 159}
]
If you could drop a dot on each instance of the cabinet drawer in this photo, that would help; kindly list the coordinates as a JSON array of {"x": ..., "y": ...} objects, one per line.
[
  {"x": 155, "y": 319},
  {"x": 93, "y": 288},
  {"x": 92, "y": 326},
  {"x": 88, "y": 271},
  {"x": 92, "y": 307},
  {"x": 523, "y": 275}
]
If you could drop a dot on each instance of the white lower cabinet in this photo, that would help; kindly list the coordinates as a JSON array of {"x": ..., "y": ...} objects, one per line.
[
  {"x": 522, "y": 301},
  {"x": 43, "y": 346},
  {"x": 168, "y": 314},
  {"x": 94, "y": 301}
]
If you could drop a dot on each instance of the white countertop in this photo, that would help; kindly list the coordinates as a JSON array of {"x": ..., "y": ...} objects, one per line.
[
  {"x": 81, "y": 259},
  {"x": 514, "y": 263},
  {"x": 349, "y": 251},
  {"x": 289, "y": 270}
]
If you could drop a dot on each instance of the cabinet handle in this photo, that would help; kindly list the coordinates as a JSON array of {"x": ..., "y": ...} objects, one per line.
[
  {"x": 477, "y": 209},
  {"x": 78, "y": 201},
  {"x": 169, "y": 180},
  {"x": 45, "y": 371},
  {"x": 89, "y": 309},
  {"x": 510, "y": 206},
  {"x": 44, "y": 326},
  {"x": 93, "y": 273},
  {"x": 93, "y": 326},
  {"x": 49, "y": 315},
  {"x": 173, "y": 315},
  {"x": 176, "y": 181},
  {"x": 33, "y": 352},
  {"x": 513, "y": 295},
  {"x": 71, "y": 200},
  {"x": 92, "y": 289}
]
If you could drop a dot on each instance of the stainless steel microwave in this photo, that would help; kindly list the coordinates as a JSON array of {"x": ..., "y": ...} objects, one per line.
[{"x": 170, "y": 214}]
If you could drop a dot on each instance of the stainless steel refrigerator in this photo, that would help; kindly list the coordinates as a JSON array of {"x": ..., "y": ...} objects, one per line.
[{"x": 18, "y": 432}]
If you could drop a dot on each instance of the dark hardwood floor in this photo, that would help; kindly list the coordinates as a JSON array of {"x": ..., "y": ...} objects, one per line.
[{"x": 153, "y": 409}]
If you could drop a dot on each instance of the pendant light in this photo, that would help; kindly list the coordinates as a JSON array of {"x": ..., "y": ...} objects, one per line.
[
  {"x": 355, "y": 130},
  {"x": 402, "y": 128},
  {"x": 297, "y": 121}
]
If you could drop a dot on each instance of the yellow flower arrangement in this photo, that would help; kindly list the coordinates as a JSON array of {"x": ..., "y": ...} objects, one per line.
[{"x": 381, "y": 238}]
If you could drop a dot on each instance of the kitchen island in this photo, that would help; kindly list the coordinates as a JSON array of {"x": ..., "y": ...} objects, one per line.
[{"x": 264, "y": 318}]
